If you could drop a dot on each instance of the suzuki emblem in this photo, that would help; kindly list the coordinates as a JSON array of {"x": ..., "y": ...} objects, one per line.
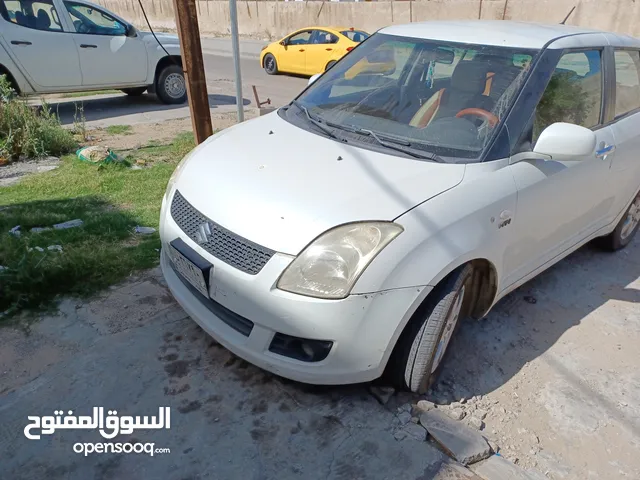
[{"x": 203, "y": 234}]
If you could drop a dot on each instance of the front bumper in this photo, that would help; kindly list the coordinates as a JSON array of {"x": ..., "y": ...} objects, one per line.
[{"x": 363, "y": 328}]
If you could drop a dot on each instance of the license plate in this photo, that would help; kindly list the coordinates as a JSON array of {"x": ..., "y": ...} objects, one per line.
[{"x": 189, "y": 270}]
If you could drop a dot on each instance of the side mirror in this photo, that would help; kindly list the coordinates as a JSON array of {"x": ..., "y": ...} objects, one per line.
[
  {"x": 283, "y": 42},
  {"x": 314, "y": 78},
  {"x": 566, "y": 141},
  {"x": 131, "y": 31}
]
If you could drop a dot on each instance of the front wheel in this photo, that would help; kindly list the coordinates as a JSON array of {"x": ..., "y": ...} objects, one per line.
[
  {"x": 270, "y": 64},
  {"x": 171, "y": 86},
  {"x": 626, "y": 228},
  {"x": 417, "y": 357}
]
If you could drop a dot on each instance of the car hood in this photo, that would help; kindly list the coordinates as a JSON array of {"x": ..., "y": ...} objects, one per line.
[
  {"x": 164, "y": 38},
  {"x": 281, "y": 186}
]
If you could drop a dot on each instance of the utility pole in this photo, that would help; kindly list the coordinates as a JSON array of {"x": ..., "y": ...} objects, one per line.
[
  {"x": 193, "y": 66},
  {"x": 235, "y": 45}
]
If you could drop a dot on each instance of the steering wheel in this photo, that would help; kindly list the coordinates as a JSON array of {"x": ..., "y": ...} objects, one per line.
[{"x": 479, "y": 112}]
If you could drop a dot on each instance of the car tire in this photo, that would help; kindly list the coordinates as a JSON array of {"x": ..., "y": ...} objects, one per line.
[
  {"x": 171, "y": 86},
  {"x": 418, "y": 355},
  {"x": 270, "y": 64},
  {"x": 626, "y": 229},
  {"x": 330, "y": 64},
  {"x": 134, "y": 92}
]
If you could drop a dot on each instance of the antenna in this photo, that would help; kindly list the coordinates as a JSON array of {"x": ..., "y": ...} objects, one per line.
[{"x": 568, "y": 15}]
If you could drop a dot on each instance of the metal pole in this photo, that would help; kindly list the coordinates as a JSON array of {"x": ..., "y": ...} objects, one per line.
[{"x": 235, "y": 45}]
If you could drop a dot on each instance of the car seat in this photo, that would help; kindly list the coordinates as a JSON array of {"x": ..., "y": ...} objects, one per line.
[
  {"x": 43, "y": 21},
  {"x": 468, "y": 83}
]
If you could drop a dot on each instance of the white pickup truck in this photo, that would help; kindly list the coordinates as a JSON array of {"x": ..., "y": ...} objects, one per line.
[{"x": 56, "y": 46}]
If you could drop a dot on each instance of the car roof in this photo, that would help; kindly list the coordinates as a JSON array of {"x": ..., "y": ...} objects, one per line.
[{"x": 490, "y": 32}]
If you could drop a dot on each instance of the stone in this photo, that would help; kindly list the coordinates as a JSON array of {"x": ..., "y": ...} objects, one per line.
[
  {"x": 416, "y": 432},
  {"x": 415, "y": 420},
  {"x": 145, "y": 230},
  {"x": 70, "y": 224},
  {"x": 382, "y": 394},
  {"x": 476, "y": 423},
  {"x": 425, "y": 405},
  {"x": 457, "y": 413},
  {"x": 495, "y": 448},
  {"x": 400, "y": 435},
  {"x": 404, "y": 417},
  {"x": 463, "y": 401},
  {"x": 497, "y": 467},
  {"x": 480, "y": 413},
  {"x": 404, "y": 408},
  {"x": 459, "y": 441}
]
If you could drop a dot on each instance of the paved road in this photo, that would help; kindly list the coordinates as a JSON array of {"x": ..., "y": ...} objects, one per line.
[{"x": 104, "y": 110}]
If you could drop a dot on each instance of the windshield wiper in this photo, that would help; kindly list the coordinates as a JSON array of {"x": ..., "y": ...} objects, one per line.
[
  {"x": 401, "y": 146},
  {"x": 326, "y": 129}
]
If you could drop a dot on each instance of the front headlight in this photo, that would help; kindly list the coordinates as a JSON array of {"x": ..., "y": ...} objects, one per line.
[{"x": 331, "y": 264}]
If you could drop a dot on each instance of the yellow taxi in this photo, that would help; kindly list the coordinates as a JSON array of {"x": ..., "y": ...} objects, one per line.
[{"x": 310, "y": 50}]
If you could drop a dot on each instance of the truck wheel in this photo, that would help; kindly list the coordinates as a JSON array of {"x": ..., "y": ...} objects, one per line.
[
  {"x": 171, "y": 87},
  {"x": 134, "y": 92},
  {"x": 417, "y": 357}
]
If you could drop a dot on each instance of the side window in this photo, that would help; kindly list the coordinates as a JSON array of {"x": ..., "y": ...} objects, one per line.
[
  {"x": 301, "y": 38},
  {"x": 627, "y": 81},
  {"x": 92, "y": 21},
  {"x": 574, "y": 93},
  {"x": 39, "y": 15},
  {"x": 322, "y": 37}
]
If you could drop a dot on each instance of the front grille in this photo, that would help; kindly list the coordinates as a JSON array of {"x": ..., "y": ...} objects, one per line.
[
  {"x": 235, "y": 321},
  {"x": 223, "y": 244}
]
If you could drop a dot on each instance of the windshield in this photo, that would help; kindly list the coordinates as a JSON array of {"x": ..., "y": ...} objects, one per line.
[{"x": 440, "y": 97}]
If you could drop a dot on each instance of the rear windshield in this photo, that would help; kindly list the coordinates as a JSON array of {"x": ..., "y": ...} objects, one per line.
[{"x": 355, "y": 35}]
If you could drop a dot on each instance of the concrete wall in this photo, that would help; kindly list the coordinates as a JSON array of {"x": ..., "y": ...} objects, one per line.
[{"x": 274, "y": 19}]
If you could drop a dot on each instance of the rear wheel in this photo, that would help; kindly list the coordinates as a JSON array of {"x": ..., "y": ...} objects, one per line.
[
  {"x": 626, "y": 228},
  {"x": 171, "y": 86},
  {"x": 330, "y": 64},
  {"x": 270, "y": 64},
  {"x": 134, "y": 92},
  {"x": 418, "y": 356}
]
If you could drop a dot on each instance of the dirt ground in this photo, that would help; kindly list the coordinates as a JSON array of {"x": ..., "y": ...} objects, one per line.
[{"x": 557, "y": 366}]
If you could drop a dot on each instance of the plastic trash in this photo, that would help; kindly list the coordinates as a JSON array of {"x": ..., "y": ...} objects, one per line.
[
  {"x": 40, "y": 249},
  {"x": 97, "y": 155},
  {"x": 15, "y": 231},
  {"x": 55, "y": 248},
  {"x": 70, "y": 224},
  {"x": 39, "y": 229},
  {"x": 145, "y": 230},
  {"x": 2, "y": 268}
]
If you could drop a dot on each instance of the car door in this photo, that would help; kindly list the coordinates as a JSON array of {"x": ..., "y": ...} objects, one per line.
[
  {"x": 293, "y": 58},
  {"x": 319, "y": 51},
  {"x": 40, "y": 45},
  {"x": 625, "y": 167},
  {"x": 108, "y": 57},
  {"x": 561, "y": 203}
]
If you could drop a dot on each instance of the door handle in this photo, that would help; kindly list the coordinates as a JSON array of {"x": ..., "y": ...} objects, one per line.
[
  {"x": 605, "y": 150},
  {"x": 301, "y": 50},
  {"x": 328, "y": 49},
  {"x": 85, "y": 45},
  {"x": 20, "y": 42}
]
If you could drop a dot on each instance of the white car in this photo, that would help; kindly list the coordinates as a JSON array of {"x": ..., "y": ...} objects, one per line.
[
  {"x": 430, "y": 172},
  {"x": 55, "y": 46}
]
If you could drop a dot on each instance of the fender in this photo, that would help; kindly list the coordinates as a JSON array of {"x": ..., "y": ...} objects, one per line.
[{"x": 468, "y": 222}]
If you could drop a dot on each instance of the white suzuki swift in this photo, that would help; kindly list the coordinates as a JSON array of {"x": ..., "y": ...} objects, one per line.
[{"x": 430, "y": 172}]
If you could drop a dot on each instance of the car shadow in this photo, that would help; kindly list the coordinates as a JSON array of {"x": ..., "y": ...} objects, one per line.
[{"x": 70, "y": 110}]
